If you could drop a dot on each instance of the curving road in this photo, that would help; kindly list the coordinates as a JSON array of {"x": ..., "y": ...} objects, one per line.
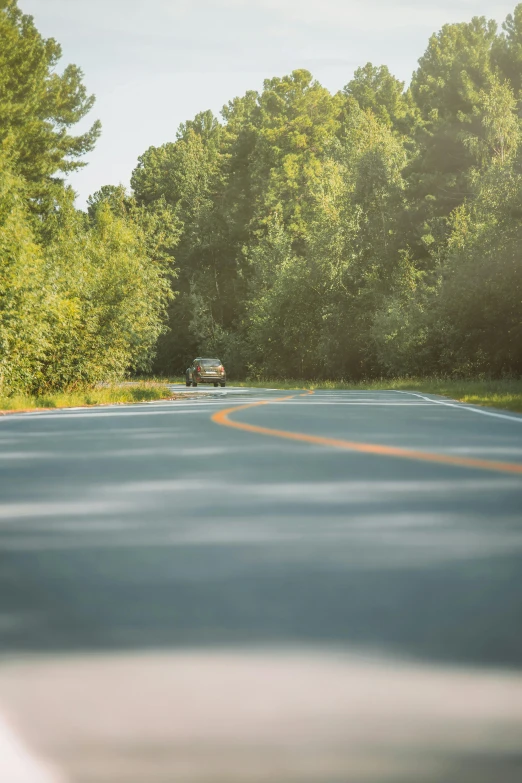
[{"x": 257, "y": 585}]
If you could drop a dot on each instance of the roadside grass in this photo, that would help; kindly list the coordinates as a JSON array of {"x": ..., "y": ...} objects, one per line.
[
  {"x": 113, "y": 393},
  {"x": 158, "y": 379},
  {"x": 506, "y": 394}
]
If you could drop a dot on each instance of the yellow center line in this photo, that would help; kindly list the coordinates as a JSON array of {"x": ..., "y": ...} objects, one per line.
[{"x": 222, "y": 417}]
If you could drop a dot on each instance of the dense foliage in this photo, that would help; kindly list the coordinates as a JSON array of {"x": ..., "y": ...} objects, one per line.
[
  {"x": 368, "y": 233},
  {"x": 82, "y": 297},
  {"x": 371, "y": 232}
]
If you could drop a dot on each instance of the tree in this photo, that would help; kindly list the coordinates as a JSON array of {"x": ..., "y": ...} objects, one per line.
[
  {"x": 481, "y": 289},
  {"x": 507, "y": 51},
  {"x": 38, "y": 106},
  {"x": 497, "y": 137},
  {"x": 113, "y": 195},
  {"x": 464, "y": 318},
  {"x": 452, "y": 71},
  {"x": 336, "y": 235},
  {"x": 23, "y": 329},
  {"x": 187, "y": 175},
  {"x": 375, "y": 89},
  {"x": 107, "y": 294},
  {"x": 295, "y": 122},
  {"x": 82, "y": 296},
  {"x": 453, "y": 74}
]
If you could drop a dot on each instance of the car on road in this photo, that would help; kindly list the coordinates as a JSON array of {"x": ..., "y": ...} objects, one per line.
[{"x": 205, "y": 371}]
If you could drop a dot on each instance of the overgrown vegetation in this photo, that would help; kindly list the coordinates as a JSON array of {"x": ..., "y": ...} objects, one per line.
[
  {"x": 139, "y": 392},
  {"x": 373, "y": 233},
  {"x": 502, "y": 393},
  {"x": 82, "y": 296}
]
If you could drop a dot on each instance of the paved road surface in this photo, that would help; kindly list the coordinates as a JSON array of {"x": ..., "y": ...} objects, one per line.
[{"x": 325, "y": 587}]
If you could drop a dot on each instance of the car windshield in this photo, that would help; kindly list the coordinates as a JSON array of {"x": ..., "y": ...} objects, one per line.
[{"x": 210, "y": 362}]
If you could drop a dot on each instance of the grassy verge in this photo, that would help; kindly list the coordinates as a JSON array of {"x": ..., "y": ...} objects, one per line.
[
  {"x": 139, "y": 392},
  {"x": 506, "y": 394},
  {"x": 144, "y": 379}
]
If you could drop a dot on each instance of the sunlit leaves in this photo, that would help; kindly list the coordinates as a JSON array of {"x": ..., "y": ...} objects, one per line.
[{"x": 38, "y": 105}]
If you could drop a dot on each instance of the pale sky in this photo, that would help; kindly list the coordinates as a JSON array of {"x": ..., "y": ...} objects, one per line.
[{"x": 155, "y": 63}]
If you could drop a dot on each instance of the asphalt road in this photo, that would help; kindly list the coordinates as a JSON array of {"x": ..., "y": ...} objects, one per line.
[{"x": 315, "y": 587}]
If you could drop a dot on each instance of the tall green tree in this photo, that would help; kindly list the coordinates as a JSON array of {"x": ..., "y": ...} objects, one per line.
[
  {"x": 453, "y": 74},
  {"x": 497, "y": 136},
  {"x": 39, "y": 105},
  {"x": 296, "y": 120},
  {"x": 376, "y": 89},
  {"x": 507, "y": 51},
  {"x": 187, "y": 174}
]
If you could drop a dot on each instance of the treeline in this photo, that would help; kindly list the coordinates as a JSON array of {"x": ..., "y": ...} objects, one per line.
[
  {"x": 82, "y": 296},
  {"x": 371, "y": 232},
  {"x": 377, "y": 231}
]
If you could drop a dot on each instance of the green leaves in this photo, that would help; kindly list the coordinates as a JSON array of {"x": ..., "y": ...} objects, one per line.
[
  {"x": 86, "y": 307},
  {"x": 23, "y": 331},
  {"x": 498, "y": 136},
  {"x": 377, "y": 90},
  {"x": 38, "y": 105},
  {"x": 82, "y": 297},
  {"x": 507, "y": 51},
  {"x": 303, "y": 234},
  {"x": 372, "y": 231}
]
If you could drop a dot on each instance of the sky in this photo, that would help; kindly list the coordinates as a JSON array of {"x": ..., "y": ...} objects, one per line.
[{"x": 153, "y": 64}]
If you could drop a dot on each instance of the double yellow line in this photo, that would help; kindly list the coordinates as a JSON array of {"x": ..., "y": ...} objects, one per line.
[{"x": 222, "y": 417}]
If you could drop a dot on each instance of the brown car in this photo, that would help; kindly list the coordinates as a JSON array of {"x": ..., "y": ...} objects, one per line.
[{"x": 206, "y": 371}]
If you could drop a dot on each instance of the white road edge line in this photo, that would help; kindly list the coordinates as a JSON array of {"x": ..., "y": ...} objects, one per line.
[
  {"x": 18, "y": 764},
  {"x": 461, "y": 406},
  {"x": 388, "y": 404}
]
